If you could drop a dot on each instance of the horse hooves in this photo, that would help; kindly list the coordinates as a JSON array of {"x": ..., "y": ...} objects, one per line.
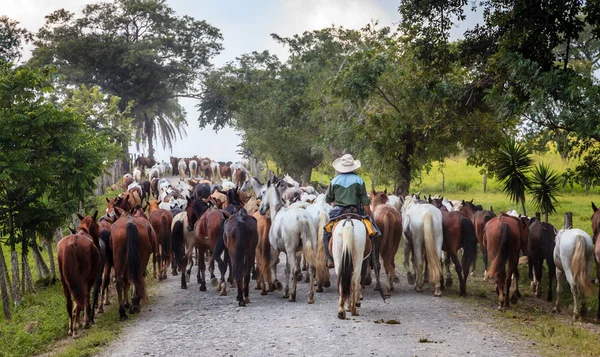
[
  {"x": 223, "y": 293},
  {"x": 514, "y": 299},
  {"x": 214, "y": 282},
  {"x": 449, "y": 282},
  {"x": 320, "y": 289},
  {"x": 327, "y": 284},
  {"x": 184, "y": 286},
  {"x": 292, "y": 298},
  {"x": 368, "y": 280},
  {"x": 203, "y": 287},
  {"x": 241, "y": 303},
  {"x": 342, "y": 315},
  {"x": 419, "y": 289},
  {"x": 396, "y": 279},
  {"x": 257, "y": 287},
  {"x": 263, "y": 293},
  {"x": 411, "y": 278},
  {"x": 311, "y": 301},
  {"x": 127, "y": 305},
  {"x": 357, "y": 304},
  {"x": 278, "y": 285}
]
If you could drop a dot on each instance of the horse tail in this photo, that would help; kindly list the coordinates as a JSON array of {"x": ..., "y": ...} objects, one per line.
[
  {"x": 469, "y": 242},
  {"x": 579, "y": 266},
  {"x": 308, "y": 240},
  {"x": 240, "y": 247},
  {"x": 134, "y": 271},
  {"x": 70, "y": 273},
  {"x": 387, "y": 252},
  {"x": 105, "y": 238},
  {"x": 347, "y": 264},
  {"x": 322, "y": 270},
  {"x": 431, "y": 250},
  {"x": 163, "y": 236},
  {"x": 265, "y": 252},
  {"x": 177, "y": 242},
  {"x": 500, "y": 260}
]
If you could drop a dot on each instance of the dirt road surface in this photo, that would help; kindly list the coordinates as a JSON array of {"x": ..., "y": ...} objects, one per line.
[{"x": 193, "y": 323}]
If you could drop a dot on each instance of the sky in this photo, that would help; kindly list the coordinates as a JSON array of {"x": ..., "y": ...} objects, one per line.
[{"x": 246, "y": 26}]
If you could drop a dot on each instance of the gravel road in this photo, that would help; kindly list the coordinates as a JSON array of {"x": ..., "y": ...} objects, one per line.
[{"x": 192, "y": 323}]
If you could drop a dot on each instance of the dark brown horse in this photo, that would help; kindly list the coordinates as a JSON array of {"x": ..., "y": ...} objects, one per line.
[
  {"x": 207, "y": 232},
  {"x": 540, "y": 247},
  {"x": 389, "y": 221},
  {"x": 161, "y": 221},
  {"x": 240, "y": 238},
  {"x": 225, "y": 170},
  {"x": 133, "y": 240},
  {"x": 142, "y": 162},
  {"x": 79, "y": 264},
  {"x": 503, "y": 237},
  {"x": 104, "y": 224},
  {"x": 174, "y": 161},
  {"x": 479, "y": 217}
]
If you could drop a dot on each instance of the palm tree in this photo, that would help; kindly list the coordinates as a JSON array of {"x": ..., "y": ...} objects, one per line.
[
  {"x": 511, "y": 164},
  {"x": 162, "y": 121},
  {"x": 545, "y": 182}
]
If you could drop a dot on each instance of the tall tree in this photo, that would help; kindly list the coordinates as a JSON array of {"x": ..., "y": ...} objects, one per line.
[
  {"x": 138, "y": 50},
  {"x": 12, "y": 39}
]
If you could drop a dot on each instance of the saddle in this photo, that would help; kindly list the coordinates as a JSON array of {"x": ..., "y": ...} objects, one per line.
[{"x": 331, "y": 224}]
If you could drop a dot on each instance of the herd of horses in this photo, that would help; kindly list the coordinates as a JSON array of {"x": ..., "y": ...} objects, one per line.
[{"x": 243, "y": 225}]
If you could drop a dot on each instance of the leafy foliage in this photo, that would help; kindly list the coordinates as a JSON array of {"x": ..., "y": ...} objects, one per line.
[
  {"x": 544, "y": 185},
  {"x": 511, "y": 165},
  {"x": 12, "y": 38}
]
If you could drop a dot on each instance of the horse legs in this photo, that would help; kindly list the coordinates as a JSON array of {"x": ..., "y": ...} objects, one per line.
[
  {"x": 448, "y": 281},
  {"x": 341, "y": 310},
  {"x": 515, "y": 277},
  {"x": 173, "y": 267},
  {"x": 286, "y": 291},
  {"x": 552, "y": 275},
  {"x": 201, "y": 273},
  {"x": 418, "y": 264},
  {"x": 275, "y": 284},
  {"x": 462, "y": 279},
  {"x": 559, "y": 287},
  {"x": 575, "y": 292},
  {"x": 407, "y": 252},
  {"x": 211, "y": 269},
  {"x": 120, "y": 297},
  {"x": 294, "y": 282},
  {"x": 183, "y": 275},
  {"x": 485, "y": 263},
  {"x": 376, "y": 262},
  {"x": 311, "y": 282}
]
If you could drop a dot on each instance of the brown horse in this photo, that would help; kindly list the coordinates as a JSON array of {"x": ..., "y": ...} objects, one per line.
[
  {"x": 161, "y": 221},
  {"x": 207, "y": 232},
  {"x": 502, "y": 238},
  {"x": 263, "y": 249},
  {"x": 133, "y": 240},
  {"x": 596, "y": 231},
  {"x": 126, "y": 181},
  {"x": 240, "y": 238},
  {"x": 104, "y": 224},
  {"x": 479, "y": 217},
  {"x": 540, "y": 247},
  {"x": 79, "y": 264},
  {"x": 225, "y": 170},
  {"x": 389, "y": 221},
  {"x": 142, "y": 162}
]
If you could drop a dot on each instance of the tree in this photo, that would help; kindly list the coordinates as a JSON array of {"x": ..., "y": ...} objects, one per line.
[
  {"x": 544, "y": 185},
  {"x": 49, "y": 159},
  {"x": 12, "y": 38},
  {"x": 511, "y": 165},
  {"x": 138, "y": 50}
]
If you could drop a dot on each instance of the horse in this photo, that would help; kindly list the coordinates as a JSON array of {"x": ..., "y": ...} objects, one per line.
[
  {"x": 225, "y": 170},
  {"x": 193, "y": 165},
  {"x": 205, "y": 169},
  {"x": 126, "y": 181},
  {"x": 142, "y": 162},
  {"x": 292, "y": 229},
  {"x": 320, "y": 214},
  {"x": 389, "y": 222},
  {"x": 161, "y": 220},
  {"x": 104, "y": 224},
  {"x": 181, "y": 167},
  {"x": 479, "y": 219},
  {"x": 263, "y": 250},
  {"x": 596, "y": 229},
  {"x": 254, "y": 184},
  {"x": 184, "y": 239},
  {"x": 174, "y": 161},
  {"x": 146, "y": 190},
  {"x": 133, "y": 240},
  {"x": 79, "y": 264},
  {"x": 137, "y": 174},
  {"x": 239, "y": 176},
  {"x": 240, "y": 239},
  {"x": 503, "y": 238},
  {"x": 350, "y": 246},
  {"x": 423, "y": 236},
  {"x": 540, "y": 247},
  {"x": 573, "y": 255}
]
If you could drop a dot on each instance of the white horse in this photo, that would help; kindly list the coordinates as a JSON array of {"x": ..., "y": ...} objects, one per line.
[
  {"x": 153, "y": 172},
  {"x": 181, "y": 166},
  {"x": 573, "y": 256},
  {"x": 320, "y": 214},
  {"x": 256, "y": 185},
  {"x": 395, "y": 202},
  {"x": 292, "y": 229},
  {"x": 137, "y": 175},
  {"x": 349, "y": 241},
  {"x": 423, "y": 236},
  {"x": 193, "y": 165}
]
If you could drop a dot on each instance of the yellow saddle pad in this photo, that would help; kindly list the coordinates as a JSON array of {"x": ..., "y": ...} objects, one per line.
[{"x": 330, "y": 226}]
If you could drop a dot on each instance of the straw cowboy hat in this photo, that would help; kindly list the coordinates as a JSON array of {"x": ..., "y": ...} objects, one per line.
[{"x": 346, "y": 164}]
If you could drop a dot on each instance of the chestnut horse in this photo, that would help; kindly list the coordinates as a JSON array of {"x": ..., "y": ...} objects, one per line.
[
  {"x": 161, "y": 220},
  {"x": 79, "y": 264},
  {"x": 240, "y": 238},
  {"x": 133, "y": 240},
  {"x": 503, "y": 238},
  {"x": 596, "y": 230},
  {"x": 389, "y": 221},
  {"x": 263, "y": 249},
  {"x": 104, "y": 223},
  {"x": 479, "y": 218},
  {"x": 207, "y": 232}
]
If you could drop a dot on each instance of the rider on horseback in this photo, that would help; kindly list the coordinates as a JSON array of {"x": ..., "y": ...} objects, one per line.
[{"x": 347, "y": 194}]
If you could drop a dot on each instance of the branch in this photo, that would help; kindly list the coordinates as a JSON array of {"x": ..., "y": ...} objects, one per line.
[{"x": 385, "y": 97}]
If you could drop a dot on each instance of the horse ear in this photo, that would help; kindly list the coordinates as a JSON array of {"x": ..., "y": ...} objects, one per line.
[
  {"x": 107, "y": 200},
  {"x": 118, "y": 212},
  {"x": 594, "y": 207},
  {"x": 429, "y": 198},
  {"x": 72, "y": 230},
  {"x": 471, "y": 201},
  {"x": 80, "y": 217},
  {"x": 442, "y": 198},
  {"x": 491, "y": 209},
  {"x": 95, "y": 215},
  {"x": 385, "y": 192}
]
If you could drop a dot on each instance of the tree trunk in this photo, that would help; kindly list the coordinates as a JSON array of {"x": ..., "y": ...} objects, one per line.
[
  {"x": 149, "y": 135},
  {"x": 4, "y": 284},
  {"x": 587, "y": 188},
  {"x": 48, "y": 245},
  {"x": 523, "y": 206},
  {"x": 404, "y": 176},
  {"x": 16, "y": 279},
  {"x": 484, "y": 182},
  {"x": 41, "y": 266},
  {"x": 125, "y": 163},
  {"x": 443, "y": 182},
  {"x": 546, "y": 216},
  {"x": 305, "y": 176},
  {"x": 27, "y": 281},
  {"x": 4, "y": 277}
]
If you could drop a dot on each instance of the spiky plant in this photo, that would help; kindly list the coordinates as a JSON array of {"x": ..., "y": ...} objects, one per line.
[
  {"x": 511, "y": 165},
  {"x": 545, "y": 183}
]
